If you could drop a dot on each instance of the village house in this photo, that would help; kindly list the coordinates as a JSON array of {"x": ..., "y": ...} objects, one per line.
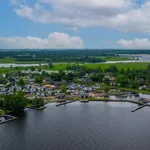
[
  {"x": 60, "y": 96},
  {"x": 86, "y": 79},
  {"x": 84, "y": 95}
]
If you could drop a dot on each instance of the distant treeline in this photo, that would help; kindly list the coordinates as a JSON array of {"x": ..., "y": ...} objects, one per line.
[
  {"x": 57, "y": 56},
  {"x": 65, "y": 55}
]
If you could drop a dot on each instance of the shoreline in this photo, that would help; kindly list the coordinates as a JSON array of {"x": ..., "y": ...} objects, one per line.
[{"x": 119, "y": 101}]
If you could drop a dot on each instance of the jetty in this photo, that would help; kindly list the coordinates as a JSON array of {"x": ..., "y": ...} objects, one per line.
[
  {"x": 64, "y": 103},
  {"x": 84, "y": 101},
  {"x": 36, "y": 108},
  {"x": 139, "y": 108},
  {"x": 6, "y": 118}
]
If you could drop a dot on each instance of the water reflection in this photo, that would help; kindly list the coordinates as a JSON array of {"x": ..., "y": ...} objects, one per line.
[{"x": 130, "y": 96}]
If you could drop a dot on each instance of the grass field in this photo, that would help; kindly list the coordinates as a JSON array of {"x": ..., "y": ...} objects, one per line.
[
  {"x": 136, "y": 65},
  {"x": 107, "y": 58},
  {"x": 9, "y": 70},
  {"x": 7, "y": 60},
  {"x": 62, "y": 66},
  {"x": 114, "y": 58},
  {"x": 135, "y": 90},
  {"x": 6, "y": 70}
]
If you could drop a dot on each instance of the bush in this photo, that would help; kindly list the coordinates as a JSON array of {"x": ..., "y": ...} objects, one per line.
[{"x": 38, "y": 102}]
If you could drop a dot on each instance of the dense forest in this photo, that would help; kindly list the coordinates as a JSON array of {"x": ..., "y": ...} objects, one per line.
[{"x": 91, "y": 56}]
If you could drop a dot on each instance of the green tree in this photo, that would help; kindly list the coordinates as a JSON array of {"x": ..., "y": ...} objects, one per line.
[
  {"x": 148, "y": 73},
  {"x": 39, "y": 79},
  {"x": 122, "y": 71},
  {"x": 107, "y": 81},
  {"x": 56, "y": 76},
  {"x": 16, "y": 102},
  {"x": 69, "y": 76},
  {"x": 39, "y": 69},
  {"x": 1, "y": 103},
  {"x": 63, "y": 88},
  {"x": 2, "y": 80},
  {"x": 51, "y": 65},
  {"x": 95, "y": 78},
  {"x": 106, "y": 89},
  {"x": 134, "y": 84},
  {"x": 122, "y": 80},
  {"x": 21, "y": 82},
  {"x": 38, "y": 102},
  {"x": 32, "y": 68}
]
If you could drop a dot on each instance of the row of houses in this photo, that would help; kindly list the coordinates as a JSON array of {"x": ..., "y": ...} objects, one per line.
[{"x": 47, "y": 90}]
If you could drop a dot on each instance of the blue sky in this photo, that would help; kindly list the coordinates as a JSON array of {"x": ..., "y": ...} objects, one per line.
[{"x": 75, "y": 24}]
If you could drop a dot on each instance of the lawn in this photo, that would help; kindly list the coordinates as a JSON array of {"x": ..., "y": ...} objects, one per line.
[
  {"x": 9, "y": 70},
  {"x": 7, "y": 60},
  {"x": 113, "y": 58},
  {"x": 135, "y": 90},
  {"x": 136, "y": 65},
  {"x": 62, "y": 66},
  {"x": 6, "y": 70}
]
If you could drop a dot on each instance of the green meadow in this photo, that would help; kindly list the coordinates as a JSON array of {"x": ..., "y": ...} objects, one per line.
[
  {"x": 136, "y": 65},
  {"x": 62, "y": 66}
]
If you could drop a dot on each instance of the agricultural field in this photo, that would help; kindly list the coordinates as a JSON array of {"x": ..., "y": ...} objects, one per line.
[
  {"x": 114, "y": 58},
  {"x": 7, "y": 60},
  {"x": 136, "y": 65},
  {"x": 62, "y": 66}
]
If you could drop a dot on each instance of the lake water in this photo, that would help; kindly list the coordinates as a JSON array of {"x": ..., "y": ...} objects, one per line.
[
  {"x": 77, "y": 126},
  {"x": 16, "y": 65}
]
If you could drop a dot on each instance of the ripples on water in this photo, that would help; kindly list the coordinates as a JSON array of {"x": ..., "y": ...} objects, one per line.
[{"x": 77, "y": 126}]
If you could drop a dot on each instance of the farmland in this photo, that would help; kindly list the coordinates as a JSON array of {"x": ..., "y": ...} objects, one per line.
[
  {"x": 62, "y": 66},
  {"x": 136, "y": 65}
]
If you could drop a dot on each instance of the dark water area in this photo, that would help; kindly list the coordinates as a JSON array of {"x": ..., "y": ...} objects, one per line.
[{"x": 78, "y": 126}]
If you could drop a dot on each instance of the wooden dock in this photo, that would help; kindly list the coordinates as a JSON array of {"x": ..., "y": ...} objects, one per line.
[
  {"x": 64, "y": 103},
  {"x": 139, "y": 108},
  {"x": 36, "y": 108},
  {"x": 7, "y": 118},
  {"x": 84, "y": 101}
]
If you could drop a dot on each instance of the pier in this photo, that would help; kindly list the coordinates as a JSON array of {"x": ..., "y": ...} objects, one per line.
[
  {"x": 6, "y": 118},
  {"x": 84, "y": 101},
  {"x": 36, "y": 108},
  {"x": 139, "y": 108},
  {"x": 64, "y": 103}
]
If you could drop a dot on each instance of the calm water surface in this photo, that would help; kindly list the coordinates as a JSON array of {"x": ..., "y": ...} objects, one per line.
[{"x": 77, "y": 126}]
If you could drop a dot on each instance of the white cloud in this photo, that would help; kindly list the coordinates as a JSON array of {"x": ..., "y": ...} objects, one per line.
[
  {"x": 137, "y": 43},
  {"x": 54, "y": 40},
  {"x": 124, "y": 15},
  {"x": 16, "y": 2},
  {"x": 106, "y": 42}
]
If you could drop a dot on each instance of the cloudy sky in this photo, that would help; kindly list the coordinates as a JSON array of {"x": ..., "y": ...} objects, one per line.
[{"x": 75, "y": 24}]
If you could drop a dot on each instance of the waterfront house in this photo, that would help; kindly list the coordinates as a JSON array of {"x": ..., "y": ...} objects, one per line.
[
  {"x": 51, "y": 93},
  {"x": 3, "y": 93},
  {"x": 60, "y": 96},
  {"x": 50, "y": 86},
  {"x": 84, "y": 95},
  {"x": 68, "y": 92}
]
